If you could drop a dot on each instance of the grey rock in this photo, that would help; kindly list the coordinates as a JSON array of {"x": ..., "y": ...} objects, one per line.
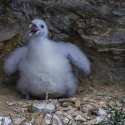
[
  {"x": 119, "y": 12},
  {"x": 41, "y": 107},
  {"x": 97, "y": 27},
  {"x": 8, "y": 33}
]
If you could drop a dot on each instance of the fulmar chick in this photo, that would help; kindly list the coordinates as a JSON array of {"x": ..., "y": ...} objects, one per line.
[{"x": 45, "y": 63}]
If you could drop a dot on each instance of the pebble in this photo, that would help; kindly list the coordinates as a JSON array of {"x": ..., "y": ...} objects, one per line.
[
  {"x": 23, "y": 110},
  {"x": 18, "y": 120},
  {"x": 80, "y": 118},
  {"x": 65, "y": 104},
  {"x": 99, "y": 119},
  {"x": 5, "y": 120},
  {"x": 101, "y": 112},
  {"x": 70, "y": 111},
  {"x": 20, "y": 103},
  {"x": 10, "y": 103},
  {"x": 118, "y": 104},
  {"x": 58, "y": 113},
  {"x": 67, "y": 121},
  {"x": 41, "y": 107},
  {"x": 54, "y": 101},
  {"x": 112, "y": 103},
  {"x": 85, "y": 98},
  {"x": 67, "y": 108},
  {"x": 96, "y": 106},
  {"x": 67, "y": 100},
  {"x": 91, "y": 122},
  {"x": 77, "y": 103},
  {"x": 76, "y": 113}
]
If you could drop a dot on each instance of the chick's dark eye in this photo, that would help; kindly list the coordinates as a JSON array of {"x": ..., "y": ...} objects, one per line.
[{"x": 42, "y": 26}]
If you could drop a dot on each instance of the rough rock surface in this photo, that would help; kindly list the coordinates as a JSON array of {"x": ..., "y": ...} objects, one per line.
[{"x": 97, "y": 27}]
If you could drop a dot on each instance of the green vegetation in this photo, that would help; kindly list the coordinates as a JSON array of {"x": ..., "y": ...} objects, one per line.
[{"x": 117, "y": 117}]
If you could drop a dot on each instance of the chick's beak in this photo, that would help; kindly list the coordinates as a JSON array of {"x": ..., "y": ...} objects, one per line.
[{"x": 33, "y": 28}]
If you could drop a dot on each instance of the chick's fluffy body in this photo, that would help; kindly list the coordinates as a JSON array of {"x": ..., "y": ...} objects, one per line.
[{"x": 45, "y": 64}]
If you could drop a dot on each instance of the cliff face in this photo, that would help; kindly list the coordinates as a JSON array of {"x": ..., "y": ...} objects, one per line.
[{"x": 96, "y": 26}]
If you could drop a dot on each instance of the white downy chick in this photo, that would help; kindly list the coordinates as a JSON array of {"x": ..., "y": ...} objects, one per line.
[{"x": 46, "y": 64}]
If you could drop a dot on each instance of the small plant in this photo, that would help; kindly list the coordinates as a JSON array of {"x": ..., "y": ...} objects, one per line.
[{"x": 117, "y": 117}]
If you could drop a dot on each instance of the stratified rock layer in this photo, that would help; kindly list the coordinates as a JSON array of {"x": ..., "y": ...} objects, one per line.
[{"x": 97, "y": 27}]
